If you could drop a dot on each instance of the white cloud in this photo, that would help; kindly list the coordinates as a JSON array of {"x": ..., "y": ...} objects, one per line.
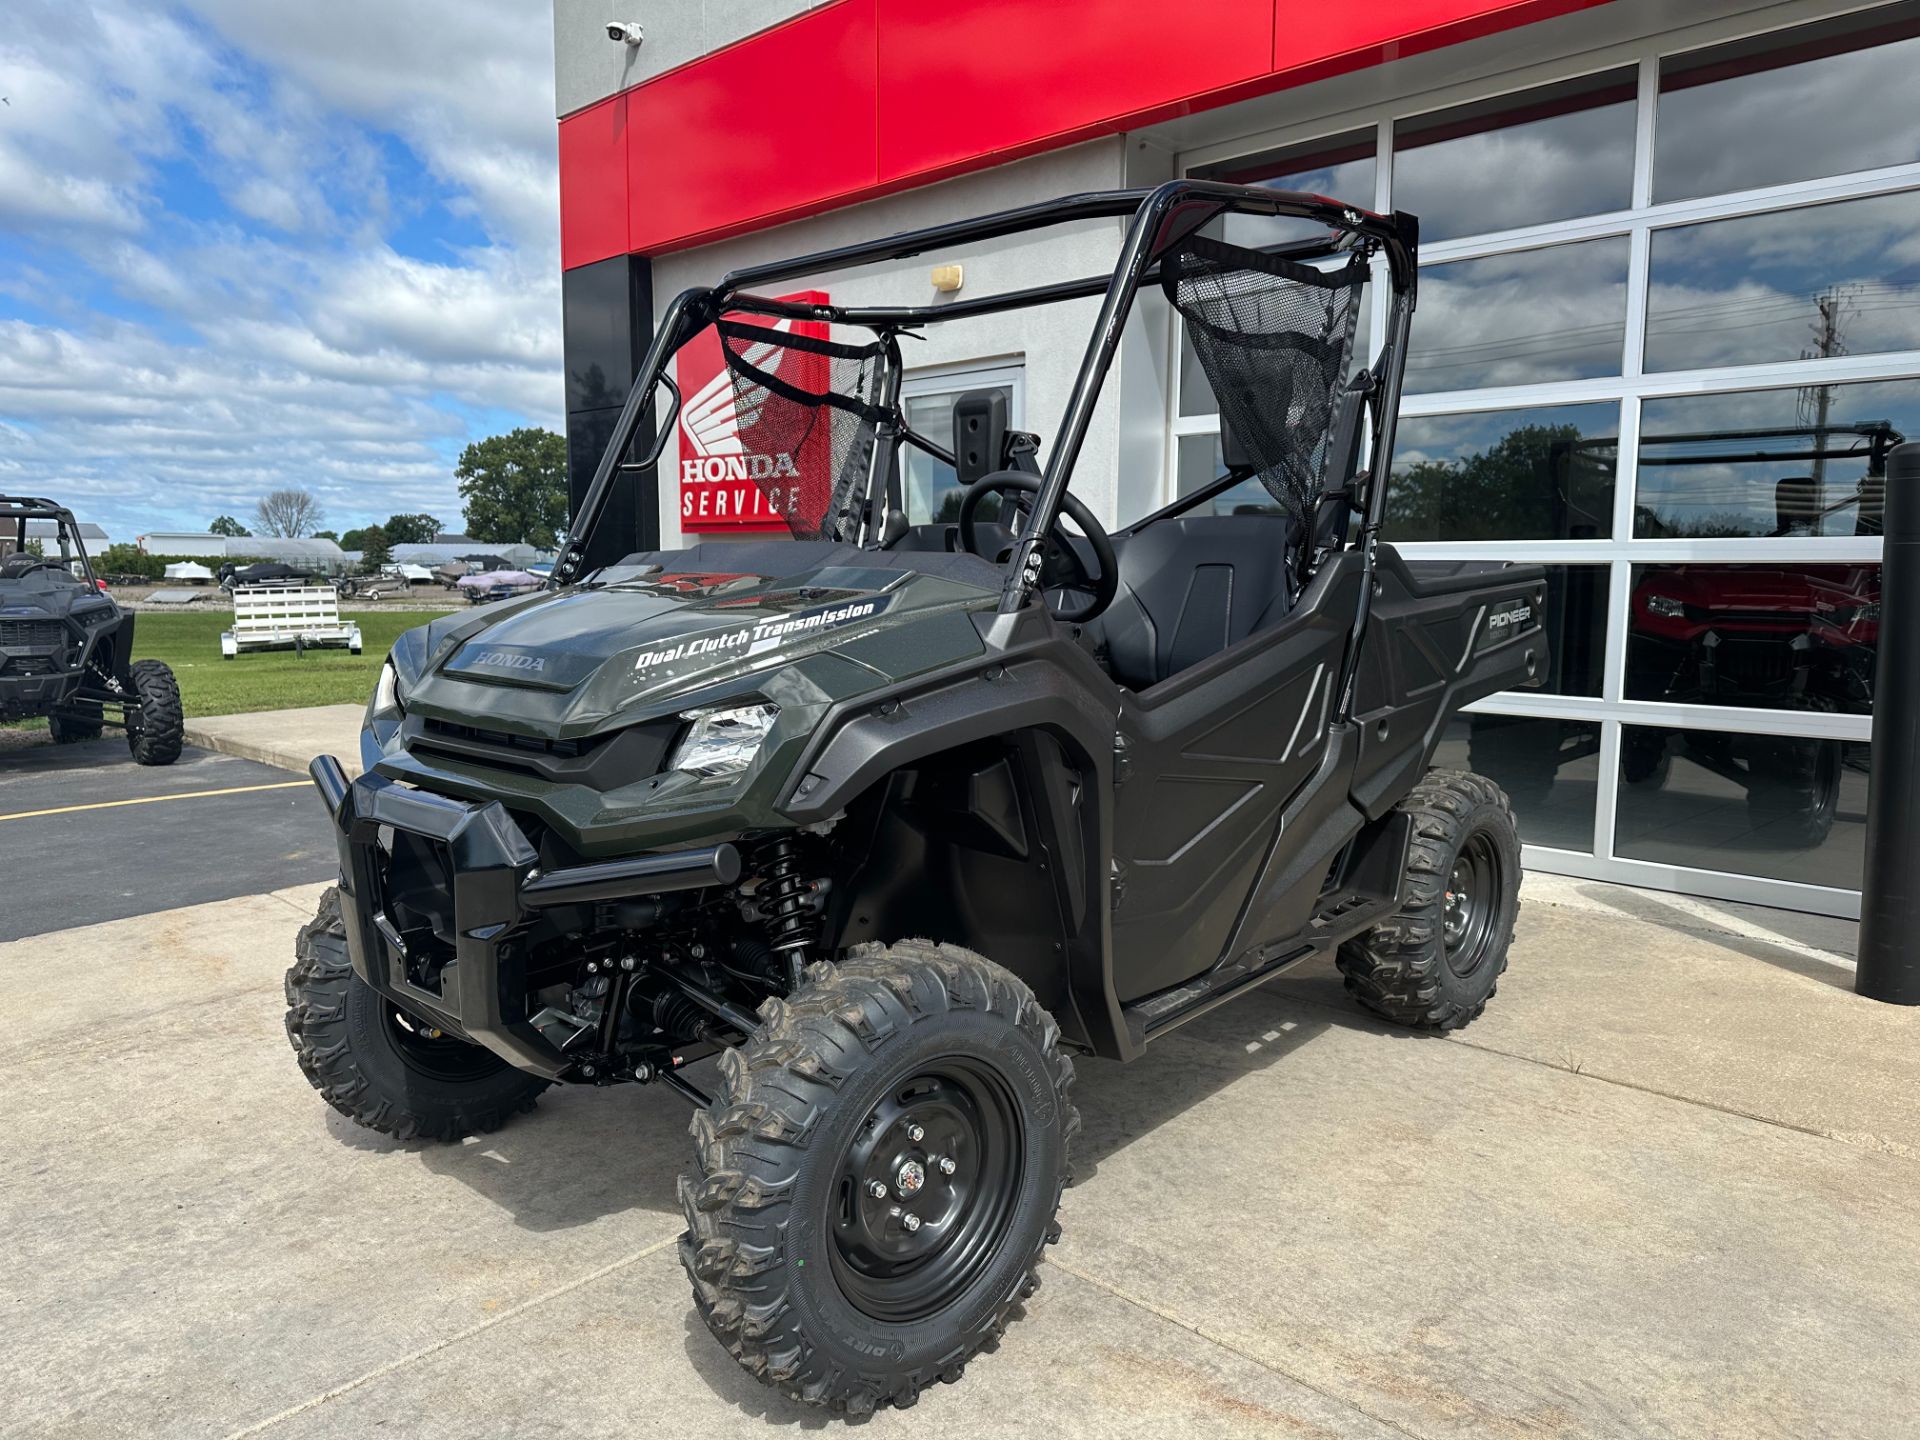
[{"x": 161, "y": 367}]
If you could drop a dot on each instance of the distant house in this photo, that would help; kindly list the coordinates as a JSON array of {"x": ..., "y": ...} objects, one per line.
[{"x": 197, "y": 543}]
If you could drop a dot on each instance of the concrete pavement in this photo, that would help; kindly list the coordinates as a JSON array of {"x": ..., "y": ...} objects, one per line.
[
  {"x": 287, "y": 738},
  {"x": 1666, "y": 1185}
]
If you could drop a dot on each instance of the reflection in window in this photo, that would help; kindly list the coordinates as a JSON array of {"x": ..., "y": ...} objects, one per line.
[
  {"x": 1544, "y": 473},
  {"x": 1549, "y": 768},
  {"x": 1806, "y": 461},
  {"x": 1777, "y": 637},
  {"x": 1340, "y": 166},
  {"x": 931, "y": 492},
  {"x": 1792, "y": 105},
  {"x": 1781, "y": 807},
  {"x": 1547, "y": 154},
  {"x": 1200, "y": 462},
  {"x": 1519, "y": 319},
  {"x": 1834, "y": 279}
]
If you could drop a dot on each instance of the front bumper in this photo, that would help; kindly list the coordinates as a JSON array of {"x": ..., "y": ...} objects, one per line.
[{"x": 480, "y": 991}]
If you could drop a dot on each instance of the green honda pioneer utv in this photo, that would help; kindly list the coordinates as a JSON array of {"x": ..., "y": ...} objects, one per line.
[{"x": 896, "y": 819}]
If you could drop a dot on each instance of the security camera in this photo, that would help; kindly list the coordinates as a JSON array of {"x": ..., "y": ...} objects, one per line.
[{"x": 630, "y": 31}]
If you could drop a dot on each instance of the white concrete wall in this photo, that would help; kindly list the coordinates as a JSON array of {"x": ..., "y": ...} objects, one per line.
[
  {"x": 1048, "y": 341},
  {"x": 588, "y": 66}
]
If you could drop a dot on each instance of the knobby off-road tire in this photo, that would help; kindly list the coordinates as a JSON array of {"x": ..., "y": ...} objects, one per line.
[
  {"x": 381, "y": 1069},
  {"x": 158, "y": 729},
  {"x": 1793, "y": 789},
  {"x": 82, "y": 722},
  {"x": 810, "y": 1281},
  {"x": 1437, "y": 961}
]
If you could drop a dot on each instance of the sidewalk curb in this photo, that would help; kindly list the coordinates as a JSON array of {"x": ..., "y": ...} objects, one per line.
[{"x": 289, "y": 744}]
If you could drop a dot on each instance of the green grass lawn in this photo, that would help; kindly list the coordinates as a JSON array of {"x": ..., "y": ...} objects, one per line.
[
  {"x": 262, "y": 679},
  {"x": 266, "y": 679}
]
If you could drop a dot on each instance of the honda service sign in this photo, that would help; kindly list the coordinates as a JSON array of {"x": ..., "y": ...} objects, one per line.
[{"x": 722, "y": 487}]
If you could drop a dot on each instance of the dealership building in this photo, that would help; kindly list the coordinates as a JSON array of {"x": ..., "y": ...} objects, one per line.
[{"x": 1668, "y": 324}]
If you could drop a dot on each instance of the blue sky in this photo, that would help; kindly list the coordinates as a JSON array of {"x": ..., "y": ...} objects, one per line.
[{"x": 246, "y": 245}]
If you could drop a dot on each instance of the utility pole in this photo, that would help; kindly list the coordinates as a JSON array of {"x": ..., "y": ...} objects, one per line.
[{"x": 1833, "y": 305}]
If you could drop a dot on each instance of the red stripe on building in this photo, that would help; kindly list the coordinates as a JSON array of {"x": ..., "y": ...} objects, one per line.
[{"x": 865, "y": 97}]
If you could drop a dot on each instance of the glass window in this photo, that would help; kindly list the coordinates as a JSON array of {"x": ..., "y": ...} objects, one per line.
[
  {"x": 1824, "y": 99},
  {"x": 931, "y": 493},
  {"x": 1200, "y": 462},
  {"x": 1340, "y": 166},
  {"x": 1835, "y": 279},
  {"x": 1777, "y": 636},
  {"x": 1550, "y": 770},
  {"x": 1806, "y": 461},
  {"x": 1780, "y": 807},
  {"x": 1523, "y": 318},
  {"x": 1544, "y": 473},
  {"x": 1547, "y": 154}
]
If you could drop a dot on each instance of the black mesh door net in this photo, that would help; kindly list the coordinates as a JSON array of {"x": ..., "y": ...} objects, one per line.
[
  {"x": 1276, "y": 339},
  {"x": 805, "y": 410}
]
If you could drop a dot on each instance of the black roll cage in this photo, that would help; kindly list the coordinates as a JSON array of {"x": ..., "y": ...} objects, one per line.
[
  {"x": 17, "y": 510},
  {"x": 1162, "y": 218}
]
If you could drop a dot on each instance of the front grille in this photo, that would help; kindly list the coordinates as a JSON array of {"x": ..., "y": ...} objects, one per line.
[
  {"x": 31, "y": 634},
  {"x": 501, "y": 740},
  {"x": 1755, "y": 665}
]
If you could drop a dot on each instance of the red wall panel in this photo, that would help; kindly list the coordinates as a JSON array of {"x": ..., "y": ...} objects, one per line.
[
  {"x": 1313, "y": 35},
  {"x": 593, "y": 184},
  {"x": 967, "y": 77},
  {"x": 861, "y": 97},
  {"x": 775, "y": 124}
]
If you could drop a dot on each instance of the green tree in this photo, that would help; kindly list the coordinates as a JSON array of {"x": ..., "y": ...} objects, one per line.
[
  {"x": 374, "y": 547},
  {"x": 1534, "y": 482},
  {"x": 352, "y": 539},
  {"x": 412, "y": 529},
  {"x": 326, "y": 535},
  {"x": 515, "y": 487},
  {"x": 228, "y": 526}
]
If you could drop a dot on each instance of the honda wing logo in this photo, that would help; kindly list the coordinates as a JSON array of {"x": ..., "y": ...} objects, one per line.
[{"x": 730, "y": 477}]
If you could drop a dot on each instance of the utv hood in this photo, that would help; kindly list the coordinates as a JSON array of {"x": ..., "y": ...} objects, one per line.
[{"x": 567, "y": 661}]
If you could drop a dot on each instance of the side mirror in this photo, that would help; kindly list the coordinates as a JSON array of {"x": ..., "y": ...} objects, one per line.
[{"x": 980, "y": 423}]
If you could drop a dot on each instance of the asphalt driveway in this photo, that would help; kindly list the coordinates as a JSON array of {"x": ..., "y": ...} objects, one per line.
[{"x": 86, "y": 835}]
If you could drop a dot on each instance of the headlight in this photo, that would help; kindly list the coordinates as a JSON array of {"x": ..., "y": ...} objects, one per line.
[
  {"x": 1665, "y": 605},
  {"x": 386, "y": 695},
  {"x": 722, "y": 742}
]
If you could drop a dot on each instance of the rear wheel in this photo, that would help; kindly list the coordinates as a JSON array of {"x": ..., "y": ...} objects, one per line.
[
  {"x": 1793, "y": 789},
  {"x": 81, "y": 721},
  {"x": 156, "y": 728},
  {"x": 380, "y": 1066},
  {"x": 1436, "y": 963},
  {"x": 871, "y": 1197}
]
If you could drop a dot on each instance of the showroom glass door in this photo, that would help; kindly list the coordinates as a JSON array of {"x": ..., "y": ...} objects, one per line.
[{"x": 1668, "y": 330}]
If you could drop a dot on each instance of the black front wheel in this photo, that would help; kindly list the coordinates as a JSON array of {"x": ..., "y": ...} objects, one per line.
[
  {"x": 1436, "y": 962},
  {"x": 871, "y": 1196},
  {"x": 380, "y": 1066},
  {"x": 156, "y": 725}
]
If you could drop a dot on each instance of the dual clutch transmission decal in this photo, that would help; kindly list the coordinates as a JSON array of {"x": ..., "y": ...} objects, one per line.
[{"x": 746, "y": 641}]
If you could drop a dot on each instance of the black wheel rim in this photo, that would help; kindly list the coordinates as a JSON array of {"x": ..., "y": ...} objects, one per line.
[
  {"x": 430, "y": 1051},
  {"x": 1474, "y": 888},
  {"x": 926, "y": 1191}
]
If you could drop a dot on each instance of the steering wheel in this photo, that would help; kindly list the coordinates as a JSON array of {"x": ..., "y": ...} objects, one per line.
[{"x": 1061, "y": 567}]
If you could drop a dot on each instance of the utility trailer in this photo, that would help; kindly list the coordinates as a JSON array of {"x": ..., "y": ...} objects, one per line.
[{"x": 279, "y": 617}]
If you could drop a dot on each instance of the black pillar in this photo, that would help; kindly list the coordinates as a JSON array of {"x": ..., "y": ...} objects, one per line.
[
  {"x": 1890, "y": 898},
  {"x": 607, "y": 312}
]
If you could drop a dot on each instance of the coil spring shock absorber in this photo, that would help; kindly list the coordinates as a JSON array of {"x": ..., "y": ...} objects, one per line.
[{"x": 786, "y": 903}]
